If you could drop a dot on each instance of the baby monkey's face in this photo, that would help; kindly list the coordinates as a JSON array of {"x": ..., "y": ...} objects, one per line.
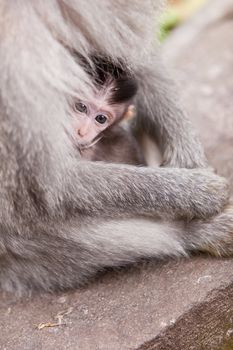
[{"x": 89, "y": 120}]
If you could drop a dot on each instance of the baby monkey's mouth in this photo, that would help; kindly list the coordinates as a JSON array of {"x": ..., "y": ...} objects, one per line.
[{"x": 89, "y": 144}]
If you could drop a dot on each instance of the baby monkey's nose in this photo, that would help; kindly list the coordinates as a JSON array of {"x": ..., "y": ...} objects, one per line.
[{"x": 83, "y": 129}]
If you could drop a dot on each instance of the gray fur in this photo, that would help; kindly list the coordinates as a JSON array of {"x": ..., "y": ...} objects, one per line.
[
  {"x": 117, "y": 145},
  {"x": 61, "y": 218}
]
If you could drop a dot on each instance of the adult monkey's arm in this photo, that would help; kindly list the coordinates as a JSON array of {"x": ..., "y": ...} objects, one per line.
[
  {"x": 161, "y": 116},
  {"x": 114, "y": 190}
]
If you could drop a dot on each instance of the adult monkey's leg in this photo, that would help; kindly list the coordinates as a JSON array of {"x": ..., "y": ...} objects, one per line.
[{"x": 78, "y": 252}]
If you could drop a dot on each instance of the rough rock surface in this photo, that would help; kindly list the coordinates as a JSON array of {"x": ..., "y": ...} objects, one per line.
[{"x": 186, "y": 304}]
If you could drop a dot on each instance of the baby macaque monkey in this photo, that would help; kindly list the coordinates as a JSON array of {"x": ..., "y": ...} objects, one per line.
[
  {"x": 98, "y": 133},
  {"x": 116, "y": 144}
]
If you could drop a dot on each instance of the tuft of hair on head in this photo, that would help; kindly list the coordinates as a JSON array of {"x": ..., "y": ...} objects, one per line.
[
  {"x": 124, "y": 84},
  {"x": 125, "y": 88},
  {"x": 104, "y": 71}
]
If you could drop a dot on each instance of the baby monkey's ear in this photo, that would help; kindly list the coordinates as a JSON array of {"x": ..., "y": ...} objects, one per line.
[{"x": 130, "y": 112}]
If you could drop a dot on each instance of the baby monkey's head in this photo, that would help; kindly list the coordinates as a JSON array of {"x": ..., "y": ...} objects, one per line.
[{"x": 112, "y": 102}]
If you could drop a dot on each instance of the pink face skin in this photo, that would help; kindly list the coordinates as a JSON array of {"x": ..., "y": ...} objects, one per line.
[{"x": 92, "y": 118}]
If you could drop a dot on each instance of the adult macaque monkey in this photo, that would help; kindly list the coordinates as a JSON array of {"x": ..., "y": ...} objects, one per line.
[{"x": 62, "y": 219}]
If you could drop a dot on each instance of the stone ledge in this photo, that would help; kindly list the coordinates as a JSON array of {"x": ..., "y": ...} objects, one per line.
[
  {"x": 161, "y": 306},
  {"x": 208, "y": 325}
]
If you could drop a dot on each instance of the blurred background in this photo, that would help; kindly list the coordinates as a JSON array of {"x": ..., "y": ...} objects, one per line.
[
  {"x": 177, "y": 12},
  {"x": 201, "y": 53}
]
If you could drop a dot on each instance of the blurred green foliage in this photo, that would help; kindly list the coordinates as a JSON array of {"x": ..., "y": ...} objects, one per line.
[
  {"x": 170, "y": 19},
  {"x": 177, "y": 12}
]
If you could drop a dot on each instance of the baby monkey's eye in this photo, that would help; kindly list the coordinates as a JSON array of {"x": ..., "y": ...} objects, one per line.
[
  {"x": 101, "y": 118},
  {"x": 80, "y": 107}
]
